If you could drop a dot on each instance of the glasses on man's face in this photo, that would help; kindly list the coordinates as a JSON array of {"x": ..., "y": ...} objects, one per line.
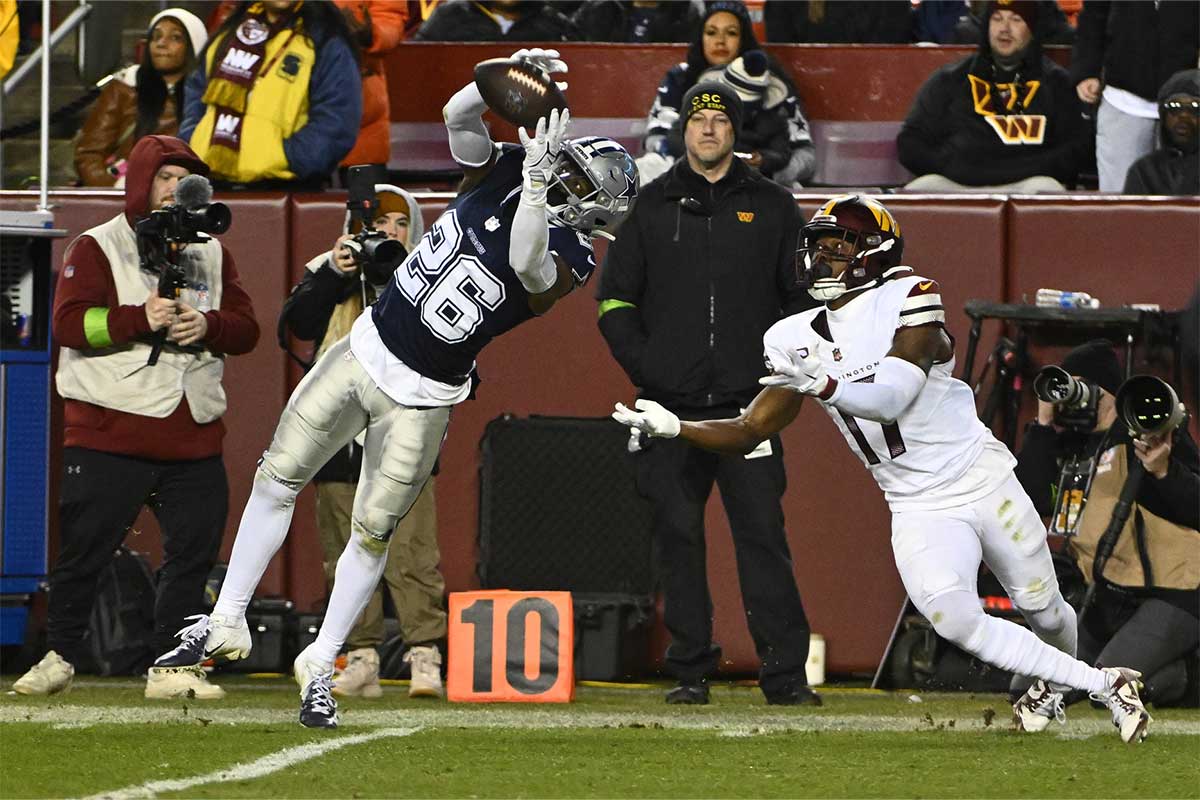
[{"x": 1181, "y": 106}]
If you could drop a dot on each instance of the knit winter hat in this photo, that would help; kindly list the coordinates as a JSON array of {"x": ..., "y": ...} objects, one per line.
[
  {"x": 717, "y": 96},
  {"x": 1025, "y": 9},
  {"x": 197, "y": 34},
  {"x": 748, "y": 76},
  {"x": 1097, "y": 361}
]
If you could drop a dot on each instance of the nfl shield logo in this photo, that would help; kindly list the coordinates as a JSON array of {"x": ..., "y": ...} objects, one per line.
[{"x": 837, "y": 354}]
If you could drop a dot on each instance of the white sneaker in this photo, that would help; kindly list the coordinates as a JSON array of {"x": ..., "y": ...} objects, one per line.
[
  {"x": 188, "y": 683},
  {"x": 219, "y": 636},
  {"x": 360, "y": 678},
  {"x": 426, "y": 663},
  {"x": 1129, "y": 715},
  {"x": 1037, "y": 707},
  {"x": 318, "y": 708},
  {"x": 51, "y": 675}
]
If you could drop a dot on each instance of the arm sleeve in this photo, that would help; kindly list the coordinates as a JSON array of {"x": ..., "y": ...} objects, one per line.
[
  {"x": 232, "y": 328},
  {"x": 85, "y": 314},
  {"x": 99, "y": 137},
  {"x": 307, "y": 310},
  {"x": 622, "y": 280},
  {"x": 1087, "y": 56},
  {"x": 470, "y": 143},
  {"x": 193, "y": 99},
  {"x": 334, "y": 112},
  {"x": 1037, "y": 466},
  {"x": 923, "y": 136},
  {"x": 897, "y": 383},
  {"x": 1174, "y": 497},
  {"x": 527, "y": 248}
]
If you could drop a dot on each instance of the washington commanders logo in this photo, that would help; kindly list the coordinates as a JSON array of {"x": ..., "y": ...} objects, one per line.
[
  {"x": 253, "y": 32},
  {"x": 745, "y": 216},
  {"x": 996, "y": 106}
]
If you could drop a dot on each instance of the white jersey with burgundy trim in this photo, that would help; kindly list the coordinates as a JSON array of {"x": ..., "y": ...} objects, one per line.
[{"x": 937, "y": 453}]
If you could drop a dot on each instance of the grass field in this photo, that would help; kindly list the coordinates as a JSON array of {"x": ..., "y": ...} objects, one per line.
[{"x": 103, "y": 740}]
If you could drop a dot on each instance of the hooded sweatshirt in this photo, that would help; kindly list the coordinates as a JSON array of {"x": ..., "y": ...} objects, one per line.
[
  {"x": 93, "y": 322},
  {"x": 1170, "y": 170},
  {"x": 981, "y": 125}
]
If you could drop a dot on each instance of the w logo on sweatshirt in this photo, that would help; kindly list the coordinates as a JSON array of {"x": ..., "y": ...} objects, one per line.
[{"x": 1019, "y": 128}]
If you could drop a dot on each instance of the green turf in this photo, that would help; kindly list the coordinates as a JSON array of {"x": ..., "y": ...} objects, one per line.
[{"x": 609, "y": 743}]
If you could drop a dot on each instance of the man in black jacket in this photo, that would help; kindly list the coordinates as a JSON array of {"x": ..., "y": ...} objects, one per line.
[
  {"x": 1006, "y": 118},
  {"x": 1174, "y": 168},
  {"x": 698, "y": 273},
  {"x": 1124, "y": 51},
  {"x": 1145, "y": 611}
]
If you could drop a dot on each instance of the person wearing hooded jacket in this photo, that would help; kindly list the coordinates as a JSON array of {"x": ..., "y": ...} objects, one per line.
[
  {"x": 137, "y": 434},
  {"x": 725, "y": 46},
  {"x": 1004, "y": 119},
  {"x": 1173, "y": 169},
  {"x": 702, "y": 268},
  {"x": 322, "y": 309},
  {"x": 139, "y": 99}
]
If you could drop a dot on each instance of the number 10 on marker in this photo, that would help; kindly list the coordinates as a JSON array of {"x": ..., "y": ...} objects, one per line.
[{"x": 511, "y": 647}]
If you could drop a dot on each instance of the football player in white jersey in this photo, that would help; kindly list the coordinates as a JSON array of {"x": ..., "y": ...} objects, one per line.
[{"x": 876, "y": 356}]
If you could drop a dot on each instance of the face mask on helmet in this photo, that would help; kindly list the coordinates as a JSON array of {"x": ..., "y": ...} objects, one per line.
[
  {"x": 593, "y": 185},
  {"x": 845, "y": 249}
]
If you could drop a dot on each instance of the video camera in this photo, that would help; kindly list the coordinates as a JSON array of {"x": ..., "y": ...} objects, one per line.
[
  {"x": 376, "y": 254},
  {"x": 1075, "y": 400},
  {"x": 162, "y": 234}
]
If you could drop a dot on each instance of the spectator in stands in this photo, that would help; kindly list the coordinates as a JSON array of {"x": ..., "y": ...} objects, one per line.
[
  {"x": 686, "y": 293},
  {"x": 1175, "y": 167},
  {"x": 322, "y": 308},
  {"x": 497, "y": 21},
  {"x": 1053, "y": 25},
  {"x": 141, "y": 99},
  {"x": 839, "y": 21},
  {"x": 1004, "y": 119},
  {"x": 140, "y": 435},
  {"x": 10, "y": 35},
  {"x": 276, "y": 100},
  {"x": 638, "y": 21},
  {"x": 1145, "y": 612},
  {"x": 378, "y": 27},
  {"x": 726, "y": 48},
  {"x": 1124, "y": 51}
]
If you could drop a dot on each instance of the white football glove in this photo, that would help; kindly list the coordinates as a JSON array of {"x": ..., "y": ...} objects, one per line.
[
  {"x": 650, "y": 418},
  {"x": 806, "y": 375},
  {"x": 540, "y": 152},
  {"x": 548, "y": 61}
]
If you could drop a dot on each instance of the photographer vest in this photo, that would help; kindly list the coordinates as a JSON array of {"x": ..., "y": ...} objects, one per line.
[
  {"x": 1172, "y": 551},
  {"x": 118, "y": 376}
]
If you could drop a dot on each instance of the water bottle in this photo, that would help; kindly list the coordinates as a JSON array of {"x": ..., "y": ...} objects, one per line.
[{"x": 1056, "y": 298}]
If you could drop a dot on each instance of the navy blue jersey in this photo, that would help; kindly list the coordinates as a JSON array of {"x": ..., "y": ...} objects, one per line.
[{"x": 456, "y": 290}]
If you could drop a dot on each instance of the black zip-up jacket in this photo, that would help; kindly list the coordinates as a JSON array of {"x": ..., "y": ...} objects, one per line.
[
  {"x": 948, "y": 131},
  {"x": 1135, "y": 45},
  {"x": 697, "y": 275},
  {"x": 306, "y": 312}
]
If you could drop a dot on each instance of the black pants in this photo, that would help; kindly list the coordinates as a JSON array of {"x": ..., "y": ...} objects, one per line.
[
  {"x": 102, "y": 495},
  {"x": 677, "y": 479}
]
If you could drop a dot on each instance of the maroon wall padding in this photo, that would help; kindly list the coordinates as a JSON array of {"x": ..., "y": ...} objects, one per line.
[{"x": 836, "y": 82}]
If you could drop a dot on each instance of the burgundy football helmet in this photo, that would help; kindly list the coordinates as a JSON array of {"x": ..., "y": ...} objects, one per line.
[{"x": 874, "y": 246}]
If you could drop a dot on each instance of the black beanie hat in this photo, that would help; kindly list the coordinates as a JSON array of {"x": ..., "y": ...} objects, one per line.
[
  {"x": 1097, "y": 361},
  {"x": 717, "y": 96}
]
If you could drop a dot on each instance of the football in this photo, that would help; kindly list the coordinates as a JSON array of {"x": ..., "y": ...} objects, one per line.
[{"x": 519, "y": 92}]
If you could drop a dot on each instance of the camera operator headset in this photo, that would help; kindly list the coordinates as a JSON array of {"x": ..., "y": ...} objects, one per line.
[
  {"x": 337, "y": 286},
  {"x": 1113, "y": 465}
]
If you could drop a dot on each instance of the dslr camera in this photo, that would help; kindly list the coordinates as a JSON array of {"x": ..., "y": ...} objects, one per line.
[
  {"x": 1075, "y": 400},
  {"x": 376, "y": 255}
]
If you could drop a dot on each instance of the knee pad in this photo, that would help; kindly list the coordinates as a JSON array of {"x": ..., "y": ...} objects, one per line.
[
  {"x": 1040, "y": 594},
  {"x": 369, "y": 541},
  {"x": 958, "y": 618},
  {"x": 270, "y": 486}
]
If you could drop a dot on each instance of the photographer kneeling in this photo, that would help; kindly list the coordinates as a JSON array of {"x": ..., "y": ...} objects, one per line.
[
  {"x": 140, "y": 374},
  {"x": 336, "y": 287},
  {"x": 1143, "y": 607}
]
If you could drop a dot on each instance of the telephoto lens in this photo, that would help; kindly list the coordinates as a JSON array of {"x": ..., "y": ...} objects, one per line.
[
  {"x": 1055, "y": 385},
  {"x": 1149, "y": 406}
]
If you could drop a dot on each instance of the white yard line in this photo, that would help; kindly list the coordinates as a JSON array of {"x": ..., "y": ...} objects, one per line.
[
  {"x": 255, "y": 769},
  {"x": 524, "y": 717}
]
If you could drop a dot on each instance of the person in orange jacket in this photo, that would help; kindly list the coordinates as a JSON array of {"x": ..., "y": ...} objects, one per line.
[{"x": 379, "y": 27}]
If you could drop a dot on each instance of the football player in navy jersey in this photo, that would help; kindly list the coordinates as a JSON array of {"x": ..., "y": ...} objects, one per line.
[{"x": 517, "y": 238}]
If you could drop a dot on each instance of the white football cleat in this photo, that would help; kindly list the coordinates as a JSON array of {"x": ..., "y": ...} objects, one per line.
[
  {"x": 51, "y": 675},
  {"x": 426, "y": 664},
  {"x": 187, "y": 683},
  {"x": 220, "y": 637},
  {"x": 1037, "y": 707},
  {"x": 360, "y": 678},
  {"x": 1129, "y": 715}
]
